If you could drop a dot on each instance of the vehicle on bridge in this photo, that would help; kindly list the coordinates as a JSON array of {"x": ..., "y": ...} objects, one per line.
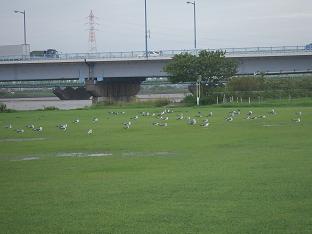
[
  {"x": 49, "y": 53},
  {"x": 308, "y": 47},
  {"x": 151, "y": 54}
]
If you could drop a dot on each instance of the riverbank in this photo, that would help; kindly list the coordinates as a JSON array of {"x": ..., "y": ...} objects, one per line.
[{"x": 44, "y": 102}]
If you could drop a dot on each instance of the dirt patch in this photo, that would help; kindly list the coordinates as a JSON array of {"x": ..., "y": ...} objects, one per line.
[
  {"x": 83, "y": 155},
  {"x": 22, "y": 139},
  {"x": 147, "y": 154},
  {"x": 27, "y": 159},
  {"x": 272, "y": 125}
]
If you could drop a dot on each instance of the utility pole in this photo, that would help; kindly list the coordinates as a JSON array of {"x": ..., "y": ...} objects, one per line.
[
  {"x": 194, "y": 9},
  {"x": 24, "y": 14},
  {"x": 146, "y": 48}
]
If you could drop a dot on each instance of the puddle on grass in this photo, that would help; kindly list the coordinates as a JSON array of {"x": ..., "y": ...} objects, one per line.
[
  {"x": 83, "y": 155},
  {"x": 147, "y": 154},
  {"x": 22, "y": 139},
  {"x": 26, "y": 159},
  {"x": 273, "y": 125}
]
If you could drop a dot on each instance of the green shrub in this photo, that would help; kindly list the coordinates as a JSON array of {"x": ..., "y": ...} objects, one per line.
[
  {"x": 3, "y": 107},
  {"x": 50, "y": 108},
  {"x": 162, "y": 102}
]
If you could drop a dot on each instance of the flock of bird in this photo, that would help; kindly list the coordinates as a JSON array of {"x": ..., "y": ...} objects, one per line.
[{"x": 161, "y": 119}]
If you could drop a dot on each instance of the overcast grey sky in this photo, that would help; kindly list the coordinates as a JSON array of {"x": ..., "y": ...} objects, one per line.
[{"x": 61, "y": 24}]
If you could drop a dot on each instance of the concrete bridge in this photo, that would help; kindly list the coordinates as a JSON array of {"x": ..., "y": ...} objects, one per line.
[{"x": 118, "y": 75}]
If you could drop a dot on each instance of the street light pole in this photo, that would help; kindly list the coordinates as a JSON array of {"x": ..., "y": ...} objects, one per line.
[
  {"x": 198, "y": 83},
  {"x": 24, "y": 14},
  {"x": 194, "y": 7},
  {"x": 146, "y": 49}
]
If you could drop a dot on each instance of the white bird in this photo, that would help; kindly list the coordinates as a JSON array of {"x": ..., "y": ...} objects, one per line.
[
  {"x": 249, "y": 113},
  {"x": 8, "y": 126},
  {"x": 205, "y": 124},
  {"x": 127, "y": 126},
  {"x": 63, "y": 127},
  {"x": 210, "y": 114},
  {"x": 272, "y": 112},
  {"x": 163, "y": 124},
  {"x": 90, "y": 131},
  {"x": 298, "y": 120},
  {"x": 40, "y": 129},
  {"x": 127, "y": 123},
  {"x": 299, "y": 113},
  {"x": 95, "y": 120},
  {"x": 180, "y": 117},
  {"x": 30, "y": 126},
  {"x": 76, "y": 121},
  {"x": 135, "y": 117},
  {"x": 156, "y": 124},
  {"x": 20, "y": 130},
  {"x": 229, "y": 119},
  {"x": 205, "y": 120},
  {"x": 192, "y": 122},
  {"x": 164, "y": 118}
]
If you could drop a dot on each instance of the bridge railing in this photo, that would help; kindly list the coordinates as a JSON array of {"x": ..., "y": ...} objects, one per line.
[{"x": 260, "y": 51}]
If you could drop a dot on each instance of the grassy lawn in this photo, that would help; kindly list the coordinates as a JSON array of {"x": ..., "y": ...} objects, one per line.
[{"x": 244, "y": 176}]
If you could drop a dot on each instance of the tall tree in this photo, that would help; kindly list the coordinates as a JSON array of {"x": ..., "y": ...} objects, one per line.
[{"x": 211, "y": 66}]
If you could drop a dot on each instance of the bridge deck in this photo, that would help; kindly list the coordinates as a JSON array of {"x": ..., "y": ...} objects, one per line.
[{"x": 158, "y": 55}]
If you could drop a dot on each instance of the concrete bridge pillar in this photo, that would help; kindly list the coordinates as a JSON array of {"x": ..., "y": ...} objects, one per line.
[{"x": 114, "y": 89}]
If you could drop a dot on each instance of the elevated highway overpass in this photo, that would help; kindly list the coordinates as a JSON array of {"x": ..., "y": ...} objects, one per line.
[{"x": 120, "y": 73}]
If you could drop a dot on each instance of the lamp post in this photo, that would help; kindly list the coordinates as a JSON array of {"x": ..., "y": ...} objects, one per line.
[
  {"x": 24, "y": 13},
  {"x": 146, "y": 49},
  {"x": 194, "y": 6},
  {"x": 198, "y": 82}
]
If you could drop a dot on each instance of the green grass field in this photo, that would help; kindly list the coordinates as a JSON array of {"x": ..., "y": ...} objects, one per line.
[{"x": 244, "y": 176}]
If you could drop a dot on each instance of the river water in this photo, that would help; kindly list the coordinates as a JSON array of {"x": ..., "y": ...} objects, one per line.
[{"x": 42, "y": 102}]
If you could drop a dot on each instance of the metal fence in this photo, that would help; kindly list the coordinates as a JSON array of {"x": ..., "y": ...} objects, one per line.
[{"x": 230, "y": 52}]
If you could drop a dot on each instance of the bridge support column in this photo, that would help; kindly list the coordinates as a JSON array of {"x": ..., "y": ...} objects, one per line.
[{"x": 114, "y": 89}]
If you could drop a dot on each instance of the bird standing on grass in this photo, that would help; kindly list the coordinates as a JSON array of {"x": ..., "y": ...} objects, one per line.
[
  {"x": 192, "y": 122},
  {"x": 63, "y": 127},
  {"x": 20, "y": 130},
  {"x": 8, "y": 126},
  {"x": 135, "y": 117},
  {"x": 127, "y": 125},
  {"x": 229, "y": 119},
  {"x": 298, "y": 120},
  {"x": 205, "y": 125},
  {"x": 249, "y": 113},
  {"x": 76, "y": 121},
  {"x": 95, "y": 119},
  {"x": 90, "y": 131},
  {"x": 31, "y": 126},
  {"x": 272, "y": 112},
  {"x": 40, "y": 129}
]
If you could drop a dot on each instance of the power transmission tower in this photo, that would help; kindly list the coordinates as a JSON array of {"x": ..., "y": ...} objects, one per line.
[{"x": 92, "y": 28}]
